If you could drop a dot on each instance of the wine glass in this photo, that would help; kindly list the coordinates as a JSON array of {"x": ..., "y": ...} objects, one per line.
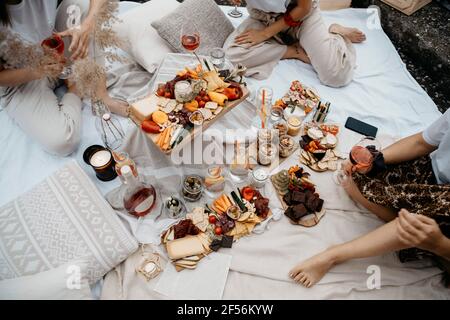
[
  {"x": 56, "y": 44},
  {"x": 361, "y": 157},
  {"x": 235, "y": 13},
  {"x": 190, "y": 38}
]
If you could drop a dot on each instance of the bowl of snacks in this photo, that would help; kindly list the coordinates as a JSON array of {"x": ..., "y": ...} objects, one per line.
[{"x": 234, "y": 212}]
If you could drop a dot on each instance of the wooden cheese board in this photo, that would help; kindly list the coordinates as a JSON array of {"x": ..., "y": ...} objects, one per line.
[
  {"x": 196, "y": 130},
  {"x": 212, "y": 96}
]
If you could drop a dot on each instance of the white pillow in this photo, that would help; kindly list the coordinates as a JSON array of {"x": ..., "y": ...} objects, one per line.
[
  {"x": 67, "y": 282},
  {"x": 62, "y": 219},
  {"x": 143, "y": 42}
]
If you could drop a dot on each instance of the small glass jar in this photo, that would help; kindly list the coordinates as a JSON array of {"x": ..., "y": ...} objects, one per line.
[
  {"x": 214, "y": 181},
  {"x": 294, "y": 125},
  {"x": 259, "y": 178},
  {"x": 287, "y": 145},
  {"x": 192, "y": 188},
  {"x": 175, "y": 208},
  {"x": 282, "y": 127},
  {"x": 276, "y": 115},
  {"x": 267, "y": 153},
  {"x": 264, "y": 136},
  {"x": 183, "y": 91}
]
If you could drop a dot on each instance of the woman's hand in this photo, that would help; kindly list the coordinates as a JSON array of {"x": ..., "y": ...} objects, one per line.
[
  {"x": 348, "y": 167},
  {"x": 81, "y": 35},
  {"x": 349, "y": 185},
  {"x": 51, "y": 69},
  {"x": 251, "y": 37},
  {"x": 419, "y": 231}
]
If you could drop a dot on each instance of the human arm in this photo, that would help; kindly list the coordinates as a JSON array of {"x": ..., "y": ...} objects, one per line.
[
  {"x": 81, "y": 35},
  {"x": 254, "y": 37},
  {"x": 17, "y": 77},
  {"x": 422, "y": 232},
  {"x": 407, "y": 149}
]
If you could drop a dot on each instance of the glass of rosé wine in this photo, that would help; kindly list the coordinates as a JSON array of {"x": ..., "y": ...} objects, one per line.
[
  {"x": 361, "y": 158},
  {"x": 190, "y": 38},
  {"x": 56, "y": 44}
]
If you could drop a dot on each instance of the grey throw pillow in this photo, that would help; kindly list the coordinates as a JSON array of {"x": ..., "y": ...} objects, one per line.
[
  {"x": 212, "y": 24},
  {"x": 63, "y": 218}
]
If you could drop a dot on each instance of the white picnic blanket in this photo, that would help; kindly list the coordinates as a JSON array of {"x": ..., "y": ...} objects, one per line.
[{"x": 383, "y": 94}]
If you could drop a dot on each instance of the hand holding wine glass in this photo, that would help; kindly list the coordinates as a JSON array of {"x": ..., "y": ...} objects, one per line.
[
  {"x": 361, "y": 159},
  {"x": 55, "y": 44}
]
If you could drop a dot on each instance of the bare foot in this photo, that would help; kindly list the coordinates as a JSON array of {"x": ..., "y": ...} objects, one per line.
[
  {"x": 296, "y": 52},
  {"x": 353, "y": 34},
  {"x": 309, "y": 272},
  {"x": 116, "y": 106}
]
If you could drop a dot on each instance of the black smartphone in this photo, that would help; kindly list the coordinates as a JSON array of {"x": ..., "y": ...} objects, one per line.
[{"x": 361, "y": 127}]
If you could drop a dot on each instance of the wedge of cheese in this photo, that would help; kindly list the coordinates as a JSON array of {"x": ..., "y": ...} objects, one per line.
[
  {"x": 143, "y": 109},
  {"x": 184, "y": 247}
]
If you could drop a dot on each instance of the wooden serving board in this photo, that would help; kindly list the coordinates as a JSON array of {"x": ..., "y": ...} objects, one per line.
[
  {"x": 310, "y": 222},
  {"x": 197, "y": 130}
]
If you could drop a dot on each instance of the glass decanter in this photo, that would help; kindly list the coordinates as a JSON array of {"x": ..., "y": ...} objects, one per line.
[{"x": 139, "y": 198}]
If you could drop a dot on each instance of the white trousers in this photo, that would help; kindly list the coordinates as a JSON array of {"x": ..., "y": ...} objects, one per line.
[
  {"x": 55, "y": 125},
  {"x": 332, "y": 56}
]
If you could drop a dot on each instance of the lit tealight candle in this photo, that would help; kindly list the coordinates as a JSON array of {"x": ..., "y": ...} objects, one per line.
[{"x": 100, "y": 158}]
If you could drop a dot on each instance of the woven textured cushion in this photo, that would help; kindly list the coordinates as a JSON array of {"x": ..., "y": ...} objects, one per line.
[
  {"x": 63, "y": 218},
  {"x": 143, "y": 43},
  {"x": 212, "y": 24},
  {"x": 63, "y": 283}
]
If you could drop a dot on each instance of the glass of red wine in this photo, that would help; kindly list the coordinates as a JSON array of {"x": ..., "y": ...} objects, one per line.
[
  {"x": 190, "y": 38},
  {"x": 56, "y": 43},
  {"x": 235, "y": 13},
  {"x": 361, "y": 158}
]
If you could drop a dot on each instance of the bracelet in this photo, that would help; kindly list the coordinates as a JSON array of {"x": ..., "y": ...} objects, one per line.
[{"x": 291, "y": 22}]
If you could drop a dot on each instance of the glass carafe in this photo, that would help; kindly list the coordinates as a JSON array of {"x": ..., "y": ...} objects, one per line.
[{"x": 139, "y": 198}]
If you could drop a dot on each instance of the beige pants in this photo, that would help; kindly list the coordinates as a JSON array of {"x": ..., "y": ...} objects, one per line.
[
  {"x": 332, "y": 56},
  {"x": 56, "y": 125}
]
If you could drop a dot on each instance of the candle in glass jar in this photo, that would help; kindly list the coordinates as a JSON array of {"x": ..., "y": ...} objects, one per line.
[
  {"x": 102, "y": 161},
  {"x": 100, "y": 158},
  {"x": 294, "y": 125},
  {"x": 259, "y": 178}
]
